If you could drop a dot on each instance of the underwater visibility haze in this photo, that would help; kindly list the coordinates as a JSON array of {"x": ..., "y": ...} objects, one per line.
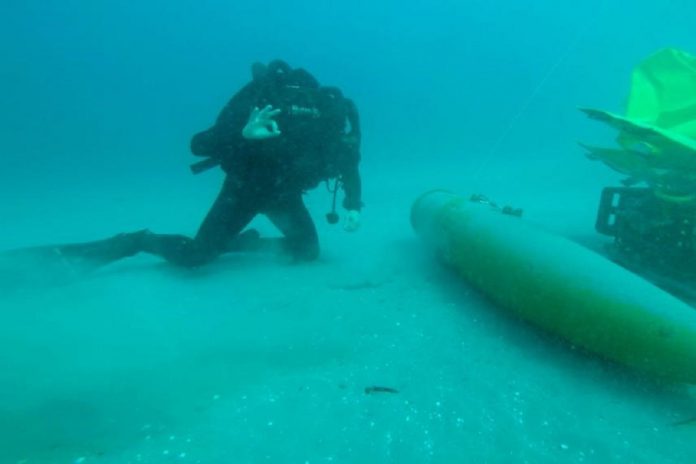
[{"x": 386, "y": 348}]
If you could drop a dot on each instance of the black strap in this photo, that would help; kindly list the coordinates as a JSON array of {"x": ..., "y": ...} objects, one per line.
[{"x": 204, "y": 165}]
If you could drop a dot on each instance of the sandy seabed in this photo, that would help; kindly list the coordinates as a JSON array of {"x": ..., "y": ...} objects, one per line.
[{"x": 252, "y": 360}]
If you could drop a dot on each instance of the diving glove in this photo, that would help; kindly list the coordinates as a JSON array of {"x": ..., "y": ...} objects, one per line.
[
  {"x": 261, "y": 124},
  {"x": 352, "y": 222}
]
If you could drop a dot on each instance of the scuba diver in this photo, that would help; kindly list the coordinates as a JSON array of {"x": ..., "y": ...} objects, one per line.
[{"x": 279, "y": 136}]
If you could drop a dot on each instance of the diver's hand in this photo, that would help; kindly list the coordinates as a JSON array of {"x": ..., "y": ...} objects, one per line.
[
  {"x": 261, "y": 124},
  {"x": 352, "y": 221}
]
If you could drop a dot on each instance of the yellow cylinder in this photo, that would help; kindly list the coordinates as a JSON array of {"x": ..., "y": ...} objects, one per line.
[{"x": 560, "y": 286}]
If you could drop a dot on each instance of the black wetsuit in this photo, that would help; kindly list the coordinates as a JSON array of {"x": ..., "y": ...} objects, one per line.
[{"x": 319, "y": 139}]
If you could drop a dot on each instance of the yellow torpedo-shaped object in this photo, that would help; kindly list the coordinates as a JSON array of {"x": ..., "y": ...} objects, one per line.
[{"x": 561, "y": 286}]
